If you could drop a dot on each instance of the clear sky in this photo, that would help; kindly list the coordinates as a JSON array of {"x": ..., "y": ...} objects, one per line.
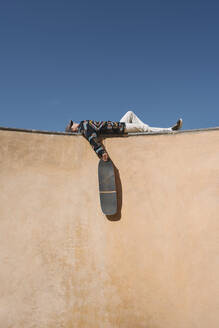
[{"x": 89, "y": 59}]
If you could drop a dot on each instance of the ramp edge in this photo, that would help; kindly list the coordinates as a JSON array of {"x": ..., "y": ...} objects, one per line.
[{"x": 110, "y": 135}]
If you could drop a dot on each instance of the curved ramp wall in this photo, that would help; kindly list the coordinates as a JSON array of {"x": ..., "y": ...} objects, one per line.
[{"x": 65, "y": 264}]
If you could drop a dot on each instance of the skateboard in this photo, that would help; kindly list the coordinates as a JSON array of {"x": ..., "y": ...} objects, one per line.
[{"x": 107, "y": 187}]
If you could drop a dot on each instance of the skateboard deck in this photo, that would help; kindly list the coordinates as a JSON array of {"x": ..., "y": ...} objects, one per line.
[{"x": 107, "y": 187}]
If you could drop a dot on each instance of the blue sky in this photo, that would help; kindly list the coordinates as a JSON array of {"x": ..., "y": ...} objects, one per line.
[{"x": 66, "y": 59}]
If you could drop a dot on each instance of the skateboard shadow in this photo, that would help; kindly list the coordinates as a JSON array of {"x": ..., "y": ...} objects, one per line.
[{"x": 117, "y": 216}]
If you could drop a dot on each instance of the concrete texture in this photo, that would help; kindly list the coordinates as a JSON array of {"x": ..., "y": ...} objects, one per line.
[{"x": 65, "y": 264}]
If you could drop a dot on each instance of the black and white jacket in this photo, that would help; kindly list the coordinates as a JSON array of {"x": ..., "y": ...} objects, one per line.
[{"x": 91, "y": 130}]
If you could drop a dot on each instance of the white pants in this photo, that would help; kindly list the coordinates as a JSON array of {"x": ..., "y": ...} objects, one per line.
[{"x": 134, "y": 124}]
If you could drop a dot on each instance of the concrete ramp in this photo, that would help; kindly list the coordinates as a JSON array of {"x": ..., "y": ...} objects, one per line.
[{"x": 65, "y": 264}]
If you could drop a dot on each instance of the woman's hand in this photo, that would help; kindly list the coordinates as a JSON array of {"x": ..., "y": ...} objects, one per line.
[{"x": 105, "y": 157}]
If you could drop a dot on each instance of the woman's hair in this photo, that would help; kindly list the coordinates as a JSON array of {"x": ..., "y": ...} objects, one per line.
[{"x": 68, "y": 126}]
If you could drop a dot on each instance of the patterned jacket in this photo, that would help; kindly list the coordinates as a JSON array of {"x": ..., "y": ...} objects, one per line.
[{"x": 91, "y": 130}]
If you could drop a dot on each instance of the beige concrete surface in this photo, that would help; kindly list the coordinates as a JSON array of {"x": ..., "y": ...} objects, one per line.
[{"x": 65, "y": 264}]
